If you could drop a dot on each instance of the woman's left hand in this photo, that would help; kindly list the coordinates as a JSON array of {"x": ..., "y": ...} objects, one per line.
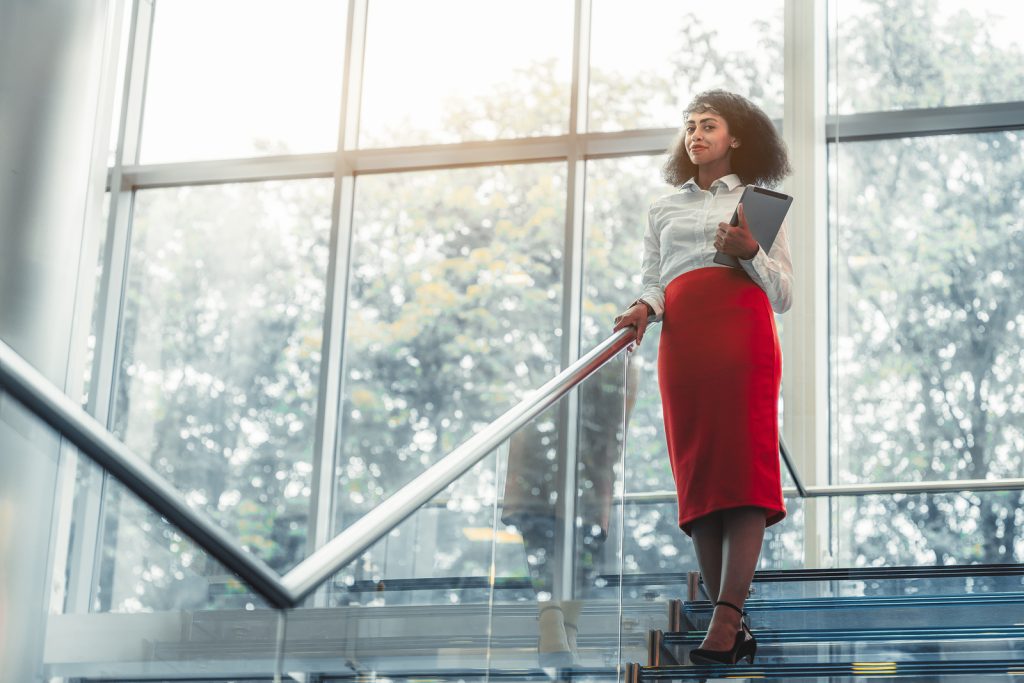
[{"x": 736, "y": 240}]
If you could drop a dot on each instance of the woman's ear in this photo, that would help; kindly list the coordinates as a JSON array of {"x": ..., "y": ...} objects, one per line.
[{"x": 735, "y": 143}]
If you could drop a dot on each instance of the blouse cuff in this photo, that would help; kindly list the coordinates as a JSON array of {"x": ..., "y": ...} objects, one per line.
[
  {"x": 654, "y": 304},
  {"x": 756, "y": 266}
]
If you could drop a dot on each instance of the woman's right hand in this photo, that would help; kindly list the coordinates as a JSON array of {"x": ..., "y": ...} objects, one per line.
[{"x": 635, "y": 317}]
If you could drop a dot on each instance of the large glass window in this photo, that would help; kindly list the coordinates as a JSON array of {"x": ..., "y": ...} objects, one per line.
[
  {"x": 927, "y": 343},
  {"x": 239, "y": 78},
  {"x": 900, "y": 54},
  {"x": 929, "y": 324},
  {"x": 460, "y": 70},
  {"x": 454, "y": 313},
  {"x": 926, "y": 330},
  {"x": 648, "y": 59},
  {"x": 220, "y": 353}
]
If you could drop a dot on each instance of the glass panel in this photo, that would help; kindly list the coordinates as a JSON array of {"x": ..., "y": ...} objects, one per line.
[
  {"x": 171, "y": 597},
  {"x": 417, "y": 601},
  {"x": 571, "y": 613},
  {"x": 157, "y": 608},
  {"x": 929, "y": 529},
  {"x": 441, "y": 555},
  {"x": 219, "y": 370},
  {"x": 454, "y": 313},
  {"x": 894, "y": 54},
  {"x": 488, "y": 576},
  {"x": 647, "y": 60},
  {"x": 619, "y": 193},
  {"x": 926, "y": 292},
  {"x": 29, "y": 455},
  {"x": 471, "y": 71},
  {"x": 784, "y": 542},
  {"x": 239, "y": 78}
]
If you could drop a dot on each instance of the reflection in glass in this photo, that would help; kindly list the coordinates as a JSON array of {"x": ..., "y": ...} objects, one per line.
[
  {"x": 220, "y": 351},
  {"x": 239, "y": 78},
  {"x": 619, "y": 193},
  {"x": 458, "y": 70},
  {"x": 569, "y": 543},
  {"x": 454, "y": 313},
  {"x": 649, "y": 59},
  {"x": 895, "y": 54}
]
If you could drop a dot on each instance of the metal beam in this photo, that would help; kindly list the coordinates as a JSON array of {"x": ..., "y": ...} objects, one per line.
[
  {"x": 845, "y": 128},
  {"x": 883, "y": 125},
  {"x": 397, "y": 159}
]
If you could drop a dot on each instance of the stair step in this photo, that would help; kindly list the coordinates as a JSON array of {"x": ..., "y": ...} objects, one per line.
[
  {"x": 834, "y": 574},
  {"x": 876, "y": 602},
  {"x": 848, "y": 669},
  {"x": 986, "y": 609},
  {"x": 785, "y": 636}
]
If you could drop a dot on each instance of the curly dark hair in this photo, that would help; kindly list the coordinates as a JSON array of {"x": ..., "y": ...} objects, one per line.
[{"x": 760, "y": 159}]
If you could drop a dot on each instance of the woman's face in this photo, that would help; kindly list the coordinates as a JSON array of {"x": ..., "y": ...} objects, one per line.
[{"x": 707, "y": 138}]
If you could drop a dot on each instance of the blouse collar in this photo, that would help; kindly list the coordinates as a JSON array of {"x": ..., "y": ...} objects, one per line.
[{"x": 731, "y": 182}]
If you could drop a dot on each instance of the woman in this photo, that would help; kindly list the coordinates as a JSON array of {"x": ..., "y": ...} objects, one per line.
[{"x": 719, "y": 363}]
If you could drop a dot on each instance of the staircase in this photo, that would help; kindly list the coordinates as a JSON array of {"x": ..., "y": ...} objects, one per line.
[{"x": 922, "y": 623}]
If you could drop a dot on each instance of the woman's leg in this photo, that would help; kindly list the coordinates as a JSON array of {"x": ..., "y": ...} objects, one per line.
[
  {"x": 742, "y": 536},
  {"x": 706, "y": 532}
]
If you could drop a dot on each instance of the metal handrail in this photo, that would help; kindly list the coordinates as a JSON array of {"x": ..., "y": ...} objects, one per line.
[
  {"x": 791, "y": 466},
  {"x": 880, "y": 488},
  {"x": 24, "y": 383}
]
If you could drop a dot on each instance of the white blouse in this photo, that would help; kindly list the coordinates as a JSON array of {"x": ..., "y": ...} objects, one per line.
[{"x": 680, "y": 237}]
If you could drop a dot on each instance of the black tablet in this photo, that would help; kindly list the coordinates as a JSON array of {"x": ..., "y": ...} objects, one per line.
[{"x": 765, "y": 211}]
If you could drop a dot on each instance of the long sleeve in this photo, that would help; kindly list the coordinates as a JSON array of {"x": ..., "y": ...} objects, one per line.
[
  {"x": 650, "y": 272},
  {"x": 773, "y": 272}
]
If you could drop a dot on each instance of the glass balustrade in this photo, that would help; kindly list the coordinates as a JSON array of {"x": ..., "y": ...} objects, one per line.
[
  {"x": 173, "y": 613},
  {"x": 500, "y": 572},
  {"x": 500, "y": 575}
]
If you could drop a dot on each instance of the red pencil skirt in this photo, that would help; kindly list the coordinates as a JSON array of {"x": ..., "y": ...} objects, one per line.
[{"x": 719, "y": 372}]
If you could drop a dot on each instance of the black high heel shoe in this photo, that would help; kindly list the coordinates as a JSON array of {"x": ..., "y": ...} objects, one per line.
[{"x": 744, "y": 647}]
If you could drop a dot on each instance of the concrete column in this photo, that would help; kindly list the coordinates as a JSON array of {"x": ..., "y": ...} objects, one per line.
[{"x": 51, "y": 68}]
